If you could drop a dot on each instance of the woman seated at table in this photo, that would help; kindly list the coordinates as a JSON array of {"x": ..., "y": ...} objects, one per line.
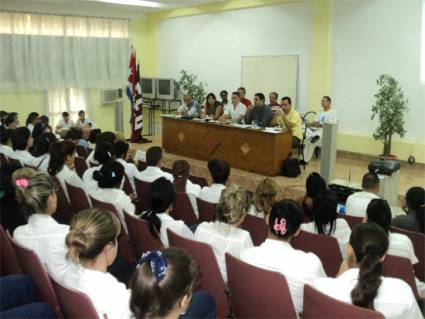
[{"x": 213, "y": 109}]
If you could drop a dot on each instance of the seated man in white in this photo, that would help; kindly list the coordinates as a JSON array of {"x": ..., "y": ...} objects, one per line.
[
  {"x": 357, "y": 203},
  {"x": 190, "y": 107},
  {"x": 234, "y": 111},
  {"x": 314, "y": 131},
  {"x": 277, "y": 254},
  {"x": 21, "y": 142},
  {"x": 65, "y": 123},
  {"x": 220, "y": 172},
  {"x": 84, "y": 121},
  {"x": 154, "y": 159}
]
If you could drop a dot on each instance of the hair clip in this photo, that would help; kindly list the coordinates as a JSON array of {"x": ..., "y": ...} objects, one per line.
[
  {"x": 22, "y": 182},
  {"x": 280, "y": 227},
  {"x": 113, "y": 174},
  {"x": 109, "y": 154},
  {"x": 157, "y": 262}
]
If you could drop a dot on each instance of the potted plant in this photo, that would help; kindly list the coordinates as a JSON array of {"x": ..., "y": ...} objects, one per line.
[
  {"x": 188, "y": 82},
  {"x": 389, "y": 108}
]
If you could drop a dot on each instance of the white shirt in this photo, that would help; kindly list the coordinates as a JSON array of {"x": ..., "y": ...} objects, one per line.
[
  {"x": 177, "y": 226},
  {"x": 130, "y": 170},
  {"x": 400, "y": 245},
  {"x": 193, "y": 191},
  {"x": 71, "y": 177},
  {"x": 298, "y": 267},
  {"x": 90, "y": 184},
  {"x": 357, "y": 203},
  {"x": 212, "y": 193},
  {"x": 327, "y": 117},
  {"x": 44, "y": 162},
  {"x": 6, "y": 150},
  {"x": 254, "y": 212},
  {"x": 233, "y": 112},
  {"x": 30, "y": 127},
  {"x": 342, "y": 232},
  {"x": 395, "y": 299},
  {"x": 152, "y": 173},
  {"x": 108, "y": 295},
  {"x": 86, "y": 122},
  {"x": 223, "y": 238},
  {"x": 62, "y": 124},
  {"x": 47, "y": 238},
  {"x": 25, "y": 158},
  {"x": 90, "y": 159}
]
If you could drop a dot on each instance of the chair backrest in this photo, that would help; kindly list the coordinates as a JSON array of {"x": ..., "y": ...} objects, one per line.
[
  {"x": 211, "y": 278},
  {"x": 141, "y": 236},
  {"x": 418, "y": 241},
  {"x": 183, "y": 209},
  {"x": 351, "y": 220},
  {"x": 320, "y": 306},
  {"x": 3, "y": 159},
  {"x": 80, "y": 166},
  {"x": 78, "y": 198},
  {"x": 127, "y": 185},
  {"x": 9, "y": 261},
  {"x": 206, "y": 210},
  {"x": 81, "y": 151},
  {"x": 74, "y": 304},
  {"x": 33, "y": 267},
  {"x": 63, "y": 209},
  {"x": 142, "y": 193},
  {"x": 198, "y": 180},
  {"x": 324, "y": 247},
  {"x": 399, "y": 267},
  {"x": 257, "y": 227},
  {"x": 256, "y": 292}
]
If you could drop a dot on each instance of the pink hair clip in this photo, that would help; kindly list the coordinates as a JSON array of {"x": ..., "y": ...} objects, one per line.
[
  {"x": 22, "y": 183},
  {"x": 280, "y": 227}
]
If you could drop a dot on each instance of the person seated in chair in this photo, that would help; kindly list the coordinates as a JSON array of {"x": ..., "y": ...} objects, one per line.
[
  {"x": 154, "y": 159},
  {"x": 190, "y": 107},
  {"x": 259, "y": 114},
  {"x": 234, "y": 111},
  {"x": 290, "y": 120}
]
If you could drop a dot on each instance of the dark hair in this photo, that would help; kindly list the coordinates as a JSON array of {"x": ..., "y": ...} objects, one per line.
[
  {"x": 44, "y": 119},
  {"x": 31, "y": 117},
  {"x": 107, "y": 136},
  {"x": 151, "y": 298},
  {"x": 224, "y": 92},
  {"x": 110, "y": 175},
  {"x": 236, "y": 93},
  {"x": 327, "y": 98},
  {"x": 379, "y": 212},
  {"x": 287, "y": 98},
  {"x": 38, "y": 130},
  {"x": 219, "y": 171},
  {"x": 104, "y": 152},
  {"x": 324, "y": 211},
  {"x": 160, "y": 195},
  {"x": 20, "y": 138},
  {"x": 260, "y": 96},
  {"x": 208, "y": 96},
  {"x": 370, "y": 180},
  {"x": 58, "y": 153},
  {"x": 370, "y": 243},
  {"x": 415, "y": 197},
  {"x": 42, "y": 143},
  {"x": 242, "y": 89},
  {"x": 81, "y": 112},
  {"x": 6, "y": 135},
  {"x": 74, "y": 134},
  {"x": 288, "y": 211},
  {"x": 121, "y": 149},
  {"x": 314, "y": 185},
  {"x": 153, "y": 155},
  {"x": 10, "y": 119},
  {"x": 65, "y": 114},
  {"x": 93, "y": 135},
  {"x": 275, "y": 94},
  {"x": 181, "y": 170},
  {"x": 3, "y": 114}
]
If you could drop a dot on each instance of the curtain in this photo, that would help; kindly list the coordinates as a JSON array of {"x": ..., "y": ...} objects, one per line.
[
  {"x": 49, "y": 52},
  {"x": 70, "y": 100}
]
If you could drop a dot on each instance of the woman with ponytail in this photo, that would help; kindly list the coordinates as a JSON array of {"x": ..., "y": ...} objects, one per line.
[
  {"x": 361, "y": 280},
  {"x": 41, "y": 149},
  {"x": 265, "y": 197},
  {"x": 414, "y": 220}
]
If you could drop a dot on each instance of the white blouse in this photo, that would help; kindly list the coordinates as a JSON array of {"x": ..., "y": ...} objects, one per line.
[
  {"x": 298, "y": 267},
  {"x": 177, "y": 226},
  {"x": 223, "y": 238},
  {"x": 395, "y": 299},
  {"x": 401, "y": 245},
  {"x": 90, "y": 184},
  {"x": 47, "y": 238},
  {"x": 44, "y": 162},
  {"x": 357, "y": 203},
  {"x": 6, "y": 150},
  {"x": 212, "y": 193},
  {"x": 152, "y": 173},
  {"x": 193, "y": 191},
  {"x": 25, "y": 158},
  {"x": 71, "y": 177},
  {"x": 130, "y": 170}
]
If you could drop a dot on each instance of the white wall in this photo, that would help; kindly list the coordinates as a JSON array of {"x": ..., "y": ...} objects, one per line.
[
  {"x": 211, "y": 45},
  {"x": 372, "y": 37}
]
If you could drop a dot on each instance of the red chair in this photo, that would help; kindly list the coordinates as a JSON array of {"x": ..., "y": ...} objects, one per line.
[
  {"x": 399, "y": 267},
  {"x": 206, "y": 210},
  {"x": 324, "y": 247},
  {"x": 63, "y": 210},
  {"x": 141, "y": 236},
  {"x": 3, "y": 159},
  {"x": 257, "y": 227},
  {"x": 9, "y": 261},
  {"x": 418, "y": 241},
  {"x": 198, "y": 180},
  {"x": 78, "y": 198},
  {"x": 33, "y": 267},
  {"x": 124, "y": 243},
  {"x": 80, "y": 166},
  {"x": 81, "y": 151},
  {"x": 127, "y": 188},
  {"x": 142, "y": 193},
  {"x": 352, "y": 220},
  {"x": 183, "y": 209},
  {"x": 74, "y": 304},
  {"x": 211, "y": 278},
  {"x": 320, "y": 306},
  {"x": 256, "y": 292}
]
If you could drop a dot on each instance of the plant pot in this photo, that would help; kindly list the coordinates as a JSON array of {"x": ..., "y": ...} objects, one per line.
[{"x": 387, "y": 157}]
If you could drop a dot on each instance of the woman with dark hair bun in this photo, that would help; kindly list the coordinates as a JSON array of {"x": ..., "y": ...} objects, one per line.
[
  {"x": 41, "y": 149},
  {"x": 6, "y": 141},
  {"x": 361, "y": 280},
  {"x": 314, "y": 185},
  {"x": 414, "y": 220}
]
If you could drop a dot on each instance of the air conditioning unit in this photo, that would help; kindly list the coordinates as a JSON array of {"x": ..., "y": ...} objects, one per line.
[{"x": 111, "y": 95}]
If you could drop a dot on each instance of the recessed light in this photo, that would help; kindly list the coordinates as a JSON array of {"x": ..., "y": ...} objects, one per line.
[{"x": 140, "y": 3}]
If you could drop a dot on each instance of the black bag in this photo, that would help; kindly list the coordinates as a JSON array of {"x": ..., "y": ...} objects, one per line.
[{"x": 290, "y": 167}]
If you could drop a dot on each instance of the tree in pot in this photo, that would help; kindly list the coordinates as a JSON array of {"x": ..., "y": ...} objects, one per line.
[
  {"x": 188, "y": 82},
  {"x": 389, "y": 108}
]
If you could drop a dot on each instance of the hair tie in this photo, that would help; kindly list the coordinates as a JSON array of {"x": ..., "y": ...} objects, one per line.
[
  {"x": 113, "y": 174},
  {"x": 109, "y": 154},
  {"x": 157, "y": 263},
  {"x": 280, "y": 227},
  {"x": 22, "y": 183}
]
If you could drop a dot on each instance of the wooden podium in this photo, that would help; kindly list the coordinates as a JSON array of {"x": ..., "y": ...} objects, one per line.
[{"x": 248, "y": 149}]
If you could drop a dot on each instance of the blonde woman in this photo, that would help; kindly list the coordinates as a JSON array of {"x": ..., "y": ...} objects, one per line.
[
  {"x": 36, "y": 195},
  {"x": 225, "y": 234},
  {"x": 264, "y": 198}
]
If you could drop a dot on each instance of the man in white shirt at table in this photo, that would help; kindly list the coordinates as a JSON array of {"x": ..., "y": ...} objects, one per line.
[
  {"x": 154, "y": 159},
  {"x": 234, "y": 111},
  {"x": 65, "y": 123},
  {"x": 190, "y": 107},
  {"x": 357, "y": 203}
]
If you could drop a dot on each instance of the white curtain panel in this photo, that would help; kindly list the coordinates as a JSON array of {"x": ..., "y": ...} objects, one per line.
[{"x": 48, "y": 52}]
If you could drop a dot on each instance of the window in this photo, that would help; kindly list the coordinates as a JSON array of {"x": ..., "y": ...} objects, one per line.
[
  {"x": 70, "y": 100},
  {"x": 423, "y": 44}
]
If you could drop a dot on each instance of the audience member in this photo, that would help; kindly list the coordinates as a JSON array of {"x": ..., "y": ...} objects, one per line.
[
  {"x": 74, "y": 135},
  {"x": 22, "y": 142},
  {"x": 44, "y": 119},
  {"x": 314, "y": 185},
  {"x": 265, "y": 197},
  {"x": 41, "y": 149},
  {"x": 6, "y": 141},
  {"x": 220, "y": 172},
  {"x": 11, "y": 121},
  {"x": 154, "y": 159},
  {"x": 357, "y": 203},
  {"x": 93, "y": 137},
  {"x": 414, "y": 220},
  {"x": 121, "y": 150},
  {"x": 106, "y": 136},
  {"x": 259, "y": 115},
  {"x": 32, "y": 119}
]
